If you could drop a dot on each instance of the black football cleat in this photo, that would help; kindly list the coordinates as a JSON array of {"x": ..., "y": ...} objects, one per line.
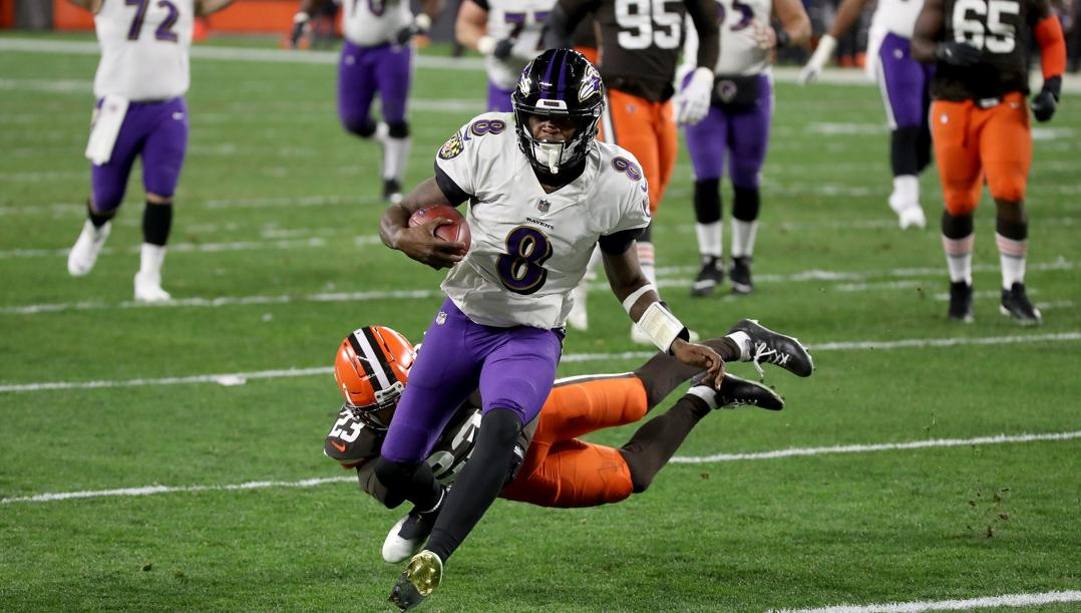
[
  {"x": 392, "y": 191},
  {"x": 1015, "y": 303},
  {"x": 740, "y": 274},
  {"x": 709, "y": 277},
  {"x": 960, "y": 301},
  {"x": 737, "y": 392},
  {"x": 763, "y": 345},
  {"x": 417, "y": 581}
]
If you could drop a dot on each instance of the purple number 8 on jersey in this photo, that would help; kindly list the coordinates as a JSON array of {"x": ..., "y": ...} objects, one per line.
[{"x": 520, "y": 269}]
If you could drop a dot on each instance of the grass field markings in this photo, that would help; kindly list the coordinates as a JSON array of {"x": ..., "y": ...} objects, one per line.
[
  {"x": 240, "y": 378},
  {"x": 42, "y": 176},
  {"x": 275, "y": 244},
  {"x": 83, "y": 87},
  {"x": 791, "y": 452},
  {"x": 984, "y": 602}
]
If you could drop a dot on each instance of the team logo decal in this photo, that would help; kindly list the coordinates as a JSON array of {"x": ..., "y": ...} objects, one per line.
[
  {"x": 441, "y": 318},
  {"x": 523, "y": 84},
  {"x": 543, "y": 206},
  {"x": 591, "y": 84},
  {"x": 452, "y": 148},
  {"x": 726, "y": 90}
]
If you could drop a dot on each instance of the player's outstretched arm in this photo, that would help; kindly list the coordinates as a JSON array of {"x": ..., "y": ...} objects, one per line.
[
  {"x": 847, "y": 14},
  {"x": 206, "y": 7},
  {"x": 640, "y": 299},
  {"x": 420, "y": 242},
  {"x": 1048, "y": 34}
]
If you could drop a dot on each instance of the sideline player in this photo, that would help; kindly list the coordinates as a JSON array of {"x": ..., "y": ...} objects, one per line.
[
  {"x": 639, "y": 54},
  {"x": 738, "y": 123},
  {"x": 543, "y": 192},
  {"x": 376, "y": 57},
  {"x": 508, "y": 34},
  {"x": 980, "y": 128},
  {"x": 905, "y": 86},
  {"x": 140, "y": 112},
  {"x": 553, "y": 467}
]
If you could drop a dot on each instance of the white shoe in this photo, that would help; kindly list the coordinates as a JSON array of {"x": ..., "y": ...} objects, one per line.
[
  {"x": 85, "y": 252},
  {"x": 908, "y": 215},
  {"x": 578, "y": 318},
  {"x": 148, "y": 288}
]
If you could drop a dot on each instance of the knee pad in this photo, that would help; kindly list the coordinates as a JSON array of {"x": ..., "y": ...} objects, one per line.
[
  {"x": 707, "y": 201},
  {"x": 398, "y": 129},
  {"x": 361, "y": 126},
  {"x": 747, "y": 202}
]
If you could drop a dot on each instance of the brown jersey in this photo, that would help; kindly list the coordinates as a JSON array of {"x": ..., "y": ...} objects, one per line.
[
  {"x": 641, "y": 40},
  {"x": 1000, "y": 30}
]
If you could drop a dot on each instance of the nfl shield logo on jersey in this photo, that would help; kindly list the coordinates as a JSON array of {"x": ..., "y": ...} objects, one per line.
[
  {"x": 441, "y": 318},
  {"x": 543, "y": 206}
]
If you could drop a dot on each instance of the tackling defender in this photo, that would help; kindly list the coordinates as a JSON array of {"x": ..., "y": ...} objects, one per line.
[
  {"x": 904, "y": 83},
  {"x": 376, "y": 57},
  {"x": 543, "y": 193},
  {"x": 552, "y": 467},
  {"x": 140, "y": 112},
  {"x": 980, "y": 128},
  {"x": 738, "y": 123}
]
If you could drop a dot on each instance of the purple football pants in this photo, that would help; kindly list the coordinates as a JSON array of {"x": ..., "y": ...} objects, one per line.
[
  {"x": 158, "y": 131},
  {"x": 362, "y": 71},
  {"x": 499, "y": 99},
  {"x": 513, "y": 367},
  {"x": 904, "y": 83},
  {"x": 744, "y": 134}
]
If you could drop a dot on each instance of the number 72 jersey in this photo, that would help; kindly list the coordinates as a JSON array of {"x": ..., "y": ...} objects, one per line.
[
  {"x": 144, "y": 48},
  {"x": 999, "y": 29}
]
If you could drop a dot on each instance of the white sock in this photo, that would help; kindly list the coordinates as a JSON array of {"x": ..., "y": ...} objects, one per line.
[
  {"x": 743, "y": 235},
  {"x": 906, "y": 192},
  {"x": 706, "y": 393},
  {"x": 151, "y": 258},
  {"x": 395, "y": 156},
  {"x": 959, "y": 257},
  {"x": 743, "y": 341},
  {"x": 710, "y": 238},
  {"x": 1011, "y": 256},
  {"x": 647, "y": 261}
]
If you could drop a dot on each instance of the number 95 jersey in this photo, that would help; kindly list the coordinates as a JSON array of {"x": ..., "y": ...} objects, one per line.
[
  {"x": 530, "y": 248},
  {"x": 144, "y": 48}
]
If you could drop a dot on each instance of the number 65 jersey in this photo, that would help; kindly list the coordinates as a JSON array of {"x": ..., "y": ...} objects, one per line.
[
  {"x": 530, "y": 248},
  {"x": 1000, "y": 30},
  {"x": 144, "y": 48}
]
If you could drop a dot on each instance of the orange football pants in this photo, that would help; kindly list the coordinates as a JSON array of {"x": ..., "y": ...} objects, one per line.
[
  {"x": 562, "y": 471},
  {"x": 974, "y": 143},
  {"x": 647, "y": 130}
]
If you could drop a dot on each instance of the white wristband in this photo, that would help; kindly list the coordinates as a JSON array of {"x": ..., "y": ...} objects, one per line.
[
  {"x": 486, "y": 45},
  {"x": 629, "y": 301},
  {"x": 661, "y": 326},
  {"x": 423, "y": 22}
]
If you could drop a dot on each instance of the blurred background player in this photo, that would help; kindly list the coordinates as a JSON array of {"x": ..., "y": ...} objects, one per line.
[
  {"x": 553, "y": 467},
  {"x": 543, "y": 192},
  {"x": 737, "y": 123},
  {"x": 376, "y": 57},
  {"x": 905, "y": 85},
  {"x": 980, "y": 126},
  {"x": 508, "y": 34},
  {"x": 141, "y": 112},
  {"x": 640, "y": 44}
]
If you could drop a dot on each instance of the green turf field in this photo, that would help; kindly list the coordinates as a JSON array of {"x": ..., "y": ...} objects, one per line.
[{"x": 274, "y": 258}]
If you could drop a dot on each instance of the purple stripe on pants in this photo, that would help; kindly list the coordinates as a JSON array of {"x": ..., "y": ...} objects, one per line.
[
  {"x": 158, "y": 131},
  {"x": 362, "y": 71},
  {"x": 513, "y": 367},
  {"x": 904, "y": 83},
  {"x": 745, "y": 134},
  {"x": 499, "y": 99}
]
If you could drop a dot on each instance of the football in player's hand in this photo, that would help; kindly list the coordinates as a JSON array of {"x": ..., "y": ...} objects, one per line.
[{"x": 456, "y": 230}]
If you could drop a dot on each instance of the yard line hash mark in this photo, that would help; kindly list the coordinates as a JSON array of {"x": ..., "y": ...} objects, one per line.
[{"x": 986, "y": 602}]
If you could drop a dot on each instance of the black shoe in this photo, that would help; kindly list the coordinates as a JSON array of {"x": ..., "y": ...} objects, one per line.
[
  {"x": 740, "y": 274},
  {"x": 961, "y": 301},
  {"x": 736, "y": 392},
  {"x": 709, "y": 277},
  {"x": 1015, "y": 303},
  {"x": 392, "y": 191},
  {"x": 765, "y": 345}
]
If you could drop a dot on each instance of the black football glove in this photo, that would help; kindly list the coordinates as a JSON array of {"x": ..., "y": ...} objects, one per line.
[
  {"x": 503, "y": 48},
  {"x": 958, "y": 54},
  {"x": 406, "y": 34},
  {"x": 1044, "y": 103},
  {"x": 301, "y": 23}
]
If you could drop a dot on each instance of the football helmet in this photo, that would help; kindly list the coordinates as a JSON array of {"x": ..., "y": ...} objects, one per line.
[
  {"x": 561, "y": 83},
  {"x": 371, "y": 368}
]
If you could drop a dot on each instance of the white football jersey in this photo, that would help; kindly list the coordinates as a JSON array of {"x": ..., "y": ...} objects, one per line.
[
  {"x": 522, "y": 20},
  {"x": 144, "y": 48},
  {"x": 373, "y": 22},
  {"x": 897, "y": 16},
  {"x": 740, "y": 53},
  {"x": 530, "y": 248}
]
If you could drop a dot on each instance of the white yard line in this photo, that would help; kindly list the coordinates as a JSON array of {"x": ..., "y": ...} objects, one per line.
[
  {"x": 240, "y": 378},
  {"x": 986, "y": 602},
  {"x": 738, "y": 457}
]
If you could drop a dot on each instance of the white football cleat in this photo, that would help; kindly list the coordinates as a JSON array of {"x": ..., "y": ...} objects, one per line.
[
  {"x": 908, "y": 214},
  {"x": 578, "y": 318},
  {"x": 400, "y": 545},
  {"x": 85, "y": 252},
  {"x": 148, "y": 288}
]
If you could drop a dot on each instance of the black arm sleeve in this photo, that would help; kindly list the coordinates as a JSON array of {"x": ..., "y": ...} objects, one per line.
[
  {"x": 704, "y": 15},
  {"x": 619, "y": 242},
  {"x": 565, "y": 15},
  {"x": 455, "y": 195}
]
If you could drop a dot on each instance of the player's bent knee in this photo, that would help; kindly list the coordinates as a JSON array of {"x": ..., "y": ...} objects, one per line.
[
  {"x": 360, "y": 126},
  {"x": 398, "y": 129},
  {"x": 395, "y": 477},
  {"x": 106, "y": 201},
  {"x": 1012, "y": 191}
]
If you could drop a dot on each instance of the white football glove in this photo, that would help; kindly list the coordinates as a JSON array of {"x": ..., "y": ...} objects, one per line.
[
  {"x": 692, "y": 103},
  {"x": 818, "y": 60}
]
